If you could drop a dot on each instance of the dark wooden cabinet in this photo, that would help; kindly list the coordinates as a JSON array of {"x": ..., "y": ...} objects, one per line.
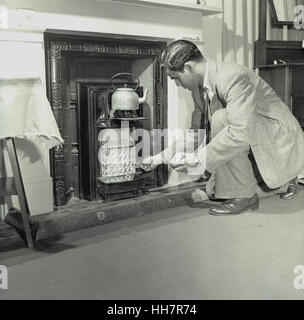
[
  {"x": 297, "y": 93},
  {"x": 279, "y": 78},
  {"x": 288, "y": 82},
  {"x": 281, "y": 65}
]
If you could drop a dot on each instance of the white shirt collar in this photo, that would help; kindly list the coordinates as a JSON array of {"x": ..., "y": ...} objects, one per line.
[{"x": 206, "y": 83}]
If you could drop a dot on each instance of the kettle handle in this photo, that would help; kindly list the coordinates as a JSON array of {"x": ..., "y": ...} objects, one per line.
[{"x": 119, "y": 74}]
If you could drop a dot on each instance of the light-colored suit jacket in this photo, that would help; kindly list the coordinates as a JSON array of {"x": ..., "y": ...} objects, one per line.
[{"x": 257, "y": 117}]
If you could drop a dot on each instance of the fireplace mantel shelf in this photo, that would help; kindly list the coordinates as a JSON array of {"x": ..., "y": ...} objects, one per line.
[{"x": 203, "y": 9}]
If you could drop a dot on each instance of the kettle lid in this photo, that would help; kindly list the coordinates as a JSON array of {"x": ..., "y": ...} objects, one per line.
[{"x": 125, "y": 89}]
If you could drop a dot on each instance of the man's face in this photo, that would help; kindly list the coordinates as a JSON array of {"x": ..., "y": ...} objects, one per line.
[{"x": 184, "y": 78}]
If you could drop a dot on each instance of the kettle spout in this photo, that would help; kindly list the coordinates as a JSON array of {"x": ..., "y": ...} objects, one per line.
[{"x": 144, "y": 98}]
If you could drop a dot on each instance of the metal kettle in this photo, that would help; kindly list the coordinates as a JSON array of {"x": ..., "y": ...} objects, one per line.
[{"x": 126, "y": 98}]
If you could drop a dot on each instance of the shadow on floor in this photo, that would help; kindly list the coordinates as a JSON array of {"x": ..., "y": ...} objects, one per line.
[
  {"x": 276, "y": 206},
  {"x": 16, "y": 253}
]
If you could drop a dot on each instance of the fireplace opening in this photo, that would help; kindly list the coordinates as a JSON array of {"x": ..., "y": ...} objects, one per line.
[{"x": 79, "y": 72}]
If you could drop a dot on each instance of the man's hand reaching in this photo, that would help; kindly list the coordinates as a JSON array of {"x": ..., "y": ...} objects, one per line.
[
  {"x": 187, "y": 163},
  {"x": 182, "y": 161},
  {"x": 150, "y": 163}
]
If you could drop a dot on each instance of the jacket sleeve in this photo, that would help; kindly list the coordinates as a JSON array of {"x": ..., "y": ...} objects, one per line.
[{"x": 239, "y": 93}]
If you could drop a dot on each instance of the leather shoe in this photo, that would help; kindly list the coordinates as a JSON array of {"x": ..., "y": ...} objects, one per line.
[
  {"x": 235, "y": 206},
  {"x": 291, "y": 190}
]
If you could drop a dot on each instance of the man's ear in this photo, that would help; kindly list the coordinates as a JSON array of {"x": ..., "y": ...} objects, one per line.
[{"x": 188, "y": 65}]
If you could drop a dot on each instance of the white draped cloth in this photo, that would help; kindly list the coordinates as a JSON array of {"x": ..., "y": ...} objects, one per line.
[{"x": 25, "y": 112}]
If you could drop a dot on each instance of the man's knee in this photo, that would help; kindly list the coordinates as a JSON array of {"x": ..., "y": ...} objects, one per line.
[{"x": 219, "y": 121}]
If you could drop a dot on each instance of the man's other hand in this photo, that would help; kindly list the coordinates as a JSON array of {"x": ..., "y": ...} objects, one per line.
[
  {"x": 150, "y": 163},
  {"x": 181, "y": 162},
  {"x": 189, "y": 164}
]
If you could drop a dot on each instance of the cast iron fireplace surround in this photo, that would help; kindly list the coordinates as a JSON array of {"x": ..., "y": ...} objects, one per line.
[{"x": 74, "y": 58}]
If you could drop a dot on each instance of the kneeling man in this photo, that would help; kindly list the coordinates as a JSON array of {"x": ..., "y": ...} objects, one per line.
[{"x": 256, "y": 142}]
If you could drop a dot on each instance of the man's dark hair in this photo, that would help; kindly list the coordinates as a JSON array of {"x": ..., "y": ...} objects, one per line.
[{"x": 178, "y": 53}]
